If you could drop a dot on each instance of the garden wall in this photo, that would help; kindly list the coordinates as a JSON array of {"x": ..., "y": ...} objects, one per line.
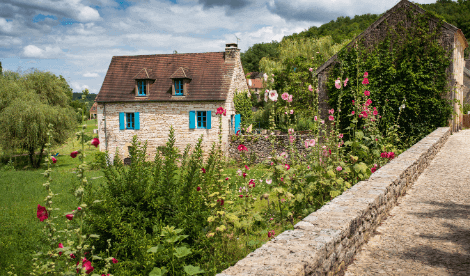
[
  {"x": 260, "y": 146},
  {"x": 324, "y": 242}
]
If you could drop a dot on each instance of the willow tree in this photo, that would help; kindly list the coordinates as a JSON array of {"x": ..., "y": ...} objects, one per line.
[{"x": 30, "y": 103}]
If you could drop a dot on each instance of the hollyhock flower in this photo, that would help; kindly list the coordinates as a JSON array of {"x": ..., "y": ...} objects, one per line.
[
  {"x": 322, "y": 121},
  {"x": 269, "y": 181},
  {"x": 315, "y": 118},
  {"x": 329, "y": 151},
  {"x": 74, "y": 154},
  {"x": 60, "y": 246},
  {"x": 87, "y": 265},
  {"x": 247, "y": 168},
  {"x": 339, "y": 168},
  {"x": 340, "y": 136},
  {"x": 373, "y": 169},
  {"x": 227, "y": 178},
  {"x": 383, "y": 155},
  {"x": 306, "y": 144},
  {"x": 95, "y": 142},
  {"x": 368, "y": 102},
  {"x": 266, "y": 96},
  {"x": 338, "y": 84},
  {"x": 283, "y": 200},
  {"x": 220, "y": 111},
  {"x": 241, "y": 196},
  {"x": 239, "y": 172},
  {"x": 331, "y": 111},
  {"x": 285, "y": 112},
  {"x": 242, "y": 148},
  {"x": 366, "y": 93},
  {"x": 310, "y": 69},
  {"x": 375, "y": 112},
  {"x": 287, "y": 166},
  {"x": 290, "y": 130},
  {"x": 285, "y": 96},
  {"x": 42, "y": 213},
  {"x": 291, "y": 139},
  {"x": 198, "y": 188},
  {"x": 310, "y": 87},
  {"x": 79, "y": 208},
  {"x": 365, "y": 81},
  {"x": 238, "y": 132},
  {"x": 364, "y": 114},
  {"x": 312, "y": 142},
  {"x": 331, "y": 118},
  {"x": 203, "y": 170},
  {"x": 353, "y": 101},
  {"x": 244, "y": 175},
  {"x": 291, "y": 111},
  {"x": 72, "y": 256},
  {"x": 346, "y": 82},
  {"x": 265, "y": 76},
  {"x": 273, "y": 95},
  {"x": 54, "y": 160},
  {"x": 69, "y": 216},
  {"x": 391, "y": 155},
  {"x": 354, "y": 112},
  {"x": 366, "y": 74},
  {"x": 115, "y": 261}
]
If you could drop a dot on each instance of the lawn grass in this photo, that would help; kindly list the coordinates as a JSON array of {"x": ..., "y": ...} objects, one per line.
[{"x": 22, "y": 191}]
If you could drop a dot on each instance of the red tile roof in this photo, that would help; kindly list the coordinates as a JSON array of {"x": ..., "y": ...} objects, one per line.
[
  {"x": 255, "y": 83},
  {"x": 209, "y": 76}
]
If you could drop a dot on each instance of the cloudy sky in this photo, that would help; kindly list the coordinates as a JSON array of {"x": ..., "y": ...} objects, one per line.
[{"x": 77, "y": 38}]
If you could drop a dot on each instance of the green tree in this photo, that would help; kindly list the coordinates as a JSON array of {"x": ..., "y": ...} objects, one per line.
[
  {"x": 250, "y": 59},
  {"x": 28, "y": 104}
]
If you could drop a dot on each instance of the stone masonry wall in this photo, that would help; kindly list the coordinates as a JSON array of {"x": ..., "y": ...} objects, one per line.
[{"x": 326, "y": 240}]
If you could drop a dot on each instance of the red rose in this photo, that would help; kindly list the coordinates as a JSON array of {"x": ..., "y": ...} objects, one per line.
[{"x": 42, "y": 213}]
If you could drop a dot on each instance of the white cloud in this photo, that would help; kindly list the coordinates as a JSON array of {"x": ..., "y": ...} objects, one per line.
[
  {"x": 7, "y": 41},
  {"x": 79, "y": 87},
  {"x": 88, "y": 14},
  {"x": 91, "y": 75},
  {"x": 5, "y": 26},
  {"x": 32, "y": 51}
]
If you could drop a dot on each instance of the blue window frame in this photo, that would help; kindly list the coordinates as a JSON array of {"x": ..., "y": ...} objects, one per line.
[
  {"x": 142, "y": 86},
  {"x": 179, "y": 88},
  {"x": 201, "y": 119},
  {"x": 129, "y": 120}
]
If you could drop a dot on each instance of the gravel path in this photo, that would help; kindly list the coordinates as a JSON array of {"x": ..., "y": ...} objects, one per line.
[{"x": 428, "y": 233}]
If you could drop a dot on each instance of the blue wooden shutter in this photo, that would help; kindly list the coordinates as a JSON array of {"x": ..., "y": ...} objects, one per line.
[
  {"x": 121, "y": 121},
  {"x": 136, "y": 120},
  {"x": 237, "y": 122},
  {"x": 192, "y": 119},
  {"x": 209, "y": 119}
]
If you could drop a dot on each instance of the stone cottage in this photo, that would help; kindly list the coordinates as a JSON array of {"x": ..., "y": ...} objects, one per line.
[
  {"x": 466, "y": 81},
  {"x": 145, "y": 95},
  {"x": 451, "y": 38},
  {"x": 93, "y": 111}
]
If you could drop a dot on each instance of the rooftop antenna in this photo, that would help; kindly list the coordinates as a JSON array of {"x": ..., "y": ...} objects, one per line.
[{"x": 237, "y": 39}]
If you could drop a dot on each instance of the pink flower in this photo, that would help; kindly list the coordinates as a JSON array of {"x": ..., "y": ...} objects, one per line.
[
  {"x": 74, "y": 154},
  {"x": 367, "y": 93},
  {"x": 95, "y": 142},
  {"x": 226, "y": 178},
  {"x": 310, "y": 69},
  {"x": 203, "y": 170},
  {"x": 310, "y": 87},
  {"x": 220, "y": 111},
  {"x": 271, "y": 219},
  {"x": 42, "y": 213},
  {"x": 72, "y": 256},
  {"x": 331, "y": 111},
  {"x": 285, "y": 96},
  {"x": 54, "y": 160},
  {"x": 287, "y": 166},
  {"x": 246, "y": 167},
  {"x": 290, "y": 99},
  {"x": 331, "y": 118},
  {"x": 306, "y": 144},
  {"x": 198, "y": 188},
  {"x": 242, "y": 148},
  {"x": 312, "y": 142},
  {"x": 364, "y": 114},
  {"x": 375, "y": 112},
  {"x": 391, "y": 155},
  {"x": 241, "y": 196},
  {"x": 368, "y": 102},
  {"x": 346, "y": 82},
  {"x": 269, "y": 181},
  {"x": 244, "y": 175},
  {"x": 340, "y": 136},
  {"x": 353, "y": 101},
  {"x": 291, "y": 139},
  {"x": 271, "y": 233},
  {"x": 79, "y": 208},
  {"x": 315, "y": 118},
  {"x": 87, "y": 265},
  {"x": 291, "y": 111},
  {"x": 373, "y": 169},
  {"x": 352, "y": 113},
  {"x": 365, "y": 81},
  {"x": 60, "y": 246},
  {"x": 322, "y": 121},
  {"x": 283, "y": 200},
  {"x": 69, "y": 216},
  {"x": 115, "y": 261},
  {"x": 339, "y": 168},
  {"x": 290, "y": 130},
  {"x": 366, "y": 74},
  {"x": 338, "y": 84}
]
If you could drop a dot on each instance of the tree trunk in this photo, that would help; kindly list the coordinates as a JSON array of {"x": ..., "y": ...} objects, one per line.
[
  {"x": 38, "y": 164},
  {"x": 31, "y": 155}
]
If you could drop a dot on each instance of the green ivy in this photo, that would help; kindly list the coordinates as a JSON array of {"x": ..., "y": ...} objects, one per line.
[
  {"x": 407, "y": 68},
  {"x": 243, "y": 107}
]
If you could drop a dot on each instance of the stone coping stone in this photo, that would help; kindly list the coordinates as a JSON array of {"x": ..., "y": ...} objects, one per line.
[{"x": 327, "y": 239}]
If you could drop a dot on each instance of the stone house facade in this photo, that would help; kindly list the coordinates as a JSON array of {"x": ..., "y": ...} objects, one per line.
[
  {"x": 93, "y": 110},
  {"x": 145, "y": 95},
  {"x": 451, "y": 38},
  {"x": 466, "y": 81}
]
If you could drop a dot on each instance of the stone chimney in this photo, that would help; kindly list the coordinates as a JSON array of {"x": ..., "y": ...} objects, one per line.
[{"x": 231, "y": 52}]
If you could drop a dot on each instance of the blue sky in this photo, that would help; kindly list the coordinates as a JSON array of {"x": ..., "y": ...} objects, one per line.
[{"x": 78, "y": 38}]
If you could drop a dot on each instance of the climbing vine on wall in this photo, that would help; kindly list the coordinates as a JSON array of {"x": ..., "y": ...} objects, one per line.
[
  {"x": 406, "y": 69},
  {"x": 243, "y": 105}
]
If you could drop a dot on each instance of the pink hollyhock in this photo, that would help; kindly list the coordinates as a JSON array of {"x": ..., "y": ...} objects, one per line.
[
  {"x": 60, "y": 246},
  {"x": 287, "y": 166},
  {"x": 364, "y": 114},
  {"x": 238, "y": 132},
  {"x": 340, "y": 136},
  {"x": 354, "y": 112},
  {"x": 338, "y": 84},
  {"x": 315, "y": 118},
  {"x": 87, "y": 265},
  {"x": 368, "y": 102},
  {"x": 312, "y": 142},
  {"x": 290, "y": 130},
  {"x": 384, "y": 155},
  {"x": 285, "y": 96},
  {"x": 242, "y": 148},
  {"x": 375, "y": 112},
  {"x": 291, "y": 139},
  {"x": 367, "y": 93},
  {"x": 283, "y": 200},
  {"x": 115, "y": 261},
  {"x": 203, "y": 170},
  {"x": 290, "y": 99},
  {"x": 244, "y": 174},
  {"x": 310, "y": 69},
  {"x": 198, "y": 188},
  {"x": 220, "y": 111},
  {"x": 366, "y": 74},
  {"x": 241, "y": 196},
  {"x": 365, "y": 81},
  {"x": 322, "y": 122},
  {"x": 79, "y": 208},
  {"x": 390, "y": 155},
  {"x": 226, "y": 178},
  {"x": 225, "y": 112},
  {"x": 346, "y": 82},
  {"x": 331, "y": 117},
  {"x": 95, "y": 142},
  {"x": 373, "y": 169},
  {"x": 72, "y": 256},
  {"x": 329, "y": 151},
  {"x": 331, "y": 111},
  {"x": 54, "y": 160},
  {"x": 74, "y": 154},
  {"x": 247, "y": 168},
  {"x": 269, "y": 181},
  {"x": 339, "y": 168},
  {"x": 291, "y": 111},
  {"x": 353, "y": 101},
  {"x": 306, "y": 144},
  {"x": 69, "y": 216},
  {"x": 310, "y": 87},
  {"x": 42, "y": 213}
]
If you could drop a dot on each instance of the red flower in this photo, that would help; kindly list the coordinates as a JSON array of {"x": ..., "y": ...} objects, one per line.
[
  {"x": 329, "y": 151},
  {"x": 87, "y": 265},
  {"x": 115, "y": 261},
  {"x": 60, "y": 246},
  {"x": 246, "y": 167},
  {"x": 287, "y": 166},
  {"x": 221, "y": 202},
  {"x": 364, "y": 114},
  {"x": 242, "y": 148},
  {"x": 238, "y": 132},
  {"x": 244, "y": 174},
  {"x": 241, "y": 196},
  {"x": 368, "y": 102},
  {"x": 271, "y": 233},
  {"x": 220, "y": 111},
  {"x": 373, "y": 169},
  {"x": 72, "y": 256},
  {"x": 74, "y": 154},
  {"x": 366, "y": 74},
  {"x": 54, "y": 159},
  {"x": 42, "y": 213},
  {"x": 390, "y": 155},
  {"x": 225, "y": 112},
  {"x": 366, "y": 93},
  {"x": 203, "y": 170},
  {"x": 69, "y": 216},
  {"x": 95, "y": 142},
  {"x": 352, "y": 113},
  {"x": 365, "y": 81},
  {"x": 198, "y": 189},
  {"x": 331, "y": 118}
]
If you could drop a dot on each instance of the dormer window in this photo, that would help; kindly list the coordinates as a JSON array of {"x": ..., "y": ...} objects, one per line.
[
  {"x": 142, "y": 88},
  {"x": 179, "y": 91}
]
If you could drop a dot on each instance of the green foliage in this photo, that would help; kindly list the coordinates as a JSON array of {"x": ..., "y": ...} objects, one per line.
[
  {"x": 412, "y": 74},
  {"x": 99, "y": 160},
  {"x": 243, "y": 105},
  {"x": 250, "y": 59}
]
